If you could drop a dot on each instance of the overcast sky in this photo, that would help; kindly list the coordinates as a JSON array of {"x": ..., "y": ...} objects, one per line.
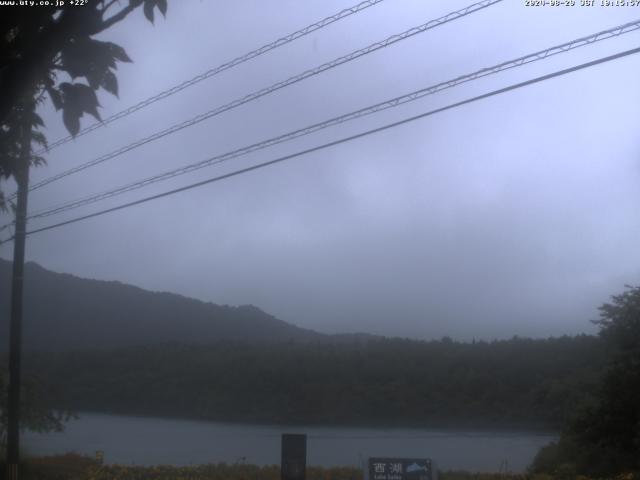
[{"x": 516, "y": 215}]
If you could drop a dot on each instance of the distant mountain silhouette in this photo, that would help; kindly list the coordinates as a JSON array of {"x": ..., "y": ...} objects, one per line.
[{"x": 64, "y": 312}]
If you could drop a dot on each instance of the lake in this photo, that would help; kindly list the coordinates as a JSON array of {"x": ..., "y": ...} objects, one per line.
[{"x": 151, "y": 441}]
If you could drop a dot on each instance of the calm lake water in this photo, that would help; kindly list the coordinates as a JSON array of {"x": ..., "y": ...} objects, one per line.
[{"x": 151, "y": 441}]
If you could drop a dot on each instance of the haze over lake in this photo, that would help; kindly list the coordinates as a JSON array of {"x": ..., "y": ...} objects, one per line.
[{"x": 152, "y": 441}]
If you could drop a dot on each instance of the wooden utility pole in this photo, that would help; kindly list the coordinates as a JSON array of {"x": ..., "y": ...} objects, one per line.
[{"x": 17, "y": 282}]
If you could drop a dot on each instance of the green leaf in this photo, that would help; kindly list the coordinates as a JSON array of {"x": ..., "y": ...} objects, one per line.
[
  {"x": 78, "y": 99},
  {"x": 36, "y": 120},
  {"x": 56, "y": 97},
  {"x": 118, "y": 52},
  {"x": 148, "y": 9},
  {"x": 162, "y": 6},
  {"x": 39, "y": 138},
  {"x": 89, "y": 58},
  {"x": 110, "y": 82},
  {"x": 89, "y": 19},
  {"x": 37, "y": 160},
  {"x": 87, "y": 100},
  {"x": 94, "y": 78},
  {"x": 79, "y": 55},
  {"x": 94, "y": 60},
  {"x": 71, "y": 119}
]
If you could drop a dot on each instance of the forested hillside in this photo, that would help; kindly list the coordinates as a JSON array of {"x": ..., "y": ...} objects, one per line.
[
  {"x": 64, "y": 312},
  {"x": 515, "y": 383}
]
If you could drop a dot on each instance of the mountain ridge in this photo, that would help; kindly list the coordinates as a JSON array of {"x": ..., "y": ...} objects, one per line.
[{"x": 63, "y": 311}]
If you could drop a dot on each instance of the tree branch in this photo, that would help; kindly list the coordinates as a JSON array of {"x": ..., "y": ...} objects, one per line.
[
  {"x": 108, "y": 5},
  {"x": 117, "y": 17}
]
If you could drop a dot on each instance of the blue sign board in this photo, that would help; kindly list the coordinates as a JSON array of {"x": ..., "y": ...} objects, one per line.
[{"x": 400, "y": 469}]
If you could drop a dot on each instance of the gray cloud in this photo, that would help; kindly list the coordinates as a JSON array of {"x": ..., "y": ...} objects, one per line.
[{"x": 516, "y": 215}]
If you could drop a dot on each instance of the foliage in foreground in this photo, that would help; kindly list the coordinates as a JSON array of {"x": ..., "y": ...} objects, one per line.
[
  {"x": 36, "y": 46},
  {"x": 76, "y": 467},
  {"x": 603, "y": 438},
  {"x": 35, "y": 414}
]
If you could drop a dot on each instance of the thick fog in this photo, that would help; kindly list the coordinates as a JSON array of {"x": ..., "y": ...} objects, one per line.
[{"x": 515, "y": 215}]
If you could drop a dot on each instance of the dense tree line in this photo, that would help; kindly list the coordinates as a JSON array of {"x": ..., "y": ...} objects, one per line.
[
  {"x": 602, "y": 437},
  {"x": 514, "y": 383}
]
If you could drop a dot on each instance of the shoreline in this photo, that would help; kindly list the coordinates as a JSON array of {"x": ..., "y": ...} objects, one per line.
[{"x": 443, "y": 427}]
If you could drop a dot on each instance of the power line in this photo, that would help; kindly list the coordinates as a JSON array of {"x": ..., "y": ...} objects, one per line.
[
  {"x": 276, "y": 86},
  {"x": 219, "y": 69},
  {"x": 523, "y": 60},
  {"x": 343, "y": 140}
]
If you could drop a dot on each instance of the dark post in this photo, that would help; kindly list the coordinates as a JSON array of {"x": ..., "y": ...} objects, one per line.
[
  {"x": 15, "y": 335},
  {"x": 294, "y": 457}
]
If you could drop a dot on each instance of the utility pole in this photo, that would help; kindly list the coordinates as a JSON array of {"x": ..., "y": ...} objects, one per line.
[{"x": 17, "y": 283}]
